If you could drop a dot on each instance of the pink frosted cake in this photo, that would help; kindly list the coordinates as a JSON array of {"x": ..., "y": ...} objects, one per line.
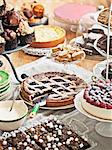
[{"x": 73, "y": 12}]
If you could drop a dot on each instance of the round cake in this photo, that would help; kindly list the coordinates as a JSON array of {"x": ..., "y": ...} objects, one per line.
[
  {"x": 71, "y": 16},
  {"x": 98, "y": 99},
  {"x": 48, "y": 36},
  {"x": 61, "y": 88}
]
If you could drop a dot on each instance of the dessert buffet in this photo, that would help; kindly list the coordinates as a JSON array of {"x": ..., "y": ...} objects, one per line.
[{"x": 61, "y": 98}]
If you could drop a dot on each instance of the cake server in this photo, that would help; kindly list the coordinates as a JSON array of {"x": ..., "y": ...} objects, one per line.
[{"x": 40, "y": 102}]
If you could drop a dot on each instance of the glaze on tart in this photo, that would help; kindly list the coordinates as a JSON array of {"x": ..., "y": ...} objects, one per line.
[{"x": 60, "y": 87}]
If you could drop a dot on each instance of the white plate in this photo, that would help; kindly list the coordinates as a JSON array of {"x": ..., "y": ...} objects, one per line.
[
  {"x": 98, "y": 68},
  {"x": 37, "y": 51},
  {"x": 58, "y": 108},
  {"x": 78, "y": 106}
]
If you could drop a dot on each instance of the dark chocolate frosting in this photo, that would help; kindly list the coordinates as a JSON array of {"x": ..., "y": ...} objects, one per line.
[{"x": 12, "y": 18}]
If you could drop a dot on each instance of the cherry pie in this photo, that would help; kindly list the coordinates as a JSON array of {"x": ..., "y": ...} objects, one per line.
[{"x": 60, "y": 87}]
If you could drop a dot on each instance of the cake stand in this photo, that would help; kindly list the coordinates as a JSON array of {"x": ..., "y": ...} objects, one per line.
[
  {"x": 104, "y": 127},
  {"x": 11, "y": 64}
]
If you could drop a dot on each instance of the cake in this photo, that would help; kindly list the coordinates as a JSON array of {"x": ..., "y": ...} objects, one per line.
[
  {"x": 62, "y": 13},
  {"x": 88, "y": 39},
  {"x": 25, "y": 33},
  {"x": 60, "y": 87},
  {"x": 97, "y": 99},
  {"x": 11, "y": 39},
  {"x": 2, "y": 45},
  {"x": 102, "y": 44},
  {"x": 11, "y": 20},
  {"x": 49, "y": 135},
  {"x": 48, "y": 36},
  {"x": 109, "y": 72},
  {"x": 38, "y": 10}
]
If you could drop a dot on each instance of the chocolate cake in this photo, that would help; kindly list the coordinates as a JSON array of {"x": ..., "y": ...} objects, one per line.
[
  {"x": 25, "y": 33},
  {"x": 102, "y": 44},
  {"x": 11, "y": 39},
  {"x": 49, "y": 135},
  {"x": 89, "y": 39},
  {"x": 11, "y": 20}
]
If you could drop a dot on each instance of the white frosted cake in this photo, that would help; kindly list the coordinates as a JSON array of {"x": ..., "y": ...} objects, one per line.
[{"x": 97, "y": 99}]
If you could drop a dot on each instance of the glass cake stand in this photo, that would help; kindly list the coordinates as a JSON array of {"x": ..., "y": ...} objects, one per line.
[
  {"x": 4, "y": 54},
  {"x": 104, "y": 127}
]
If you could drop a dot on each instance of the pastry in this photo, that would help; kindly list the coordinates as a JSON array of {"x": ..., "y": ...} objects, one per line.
[
  {"x": 68, "y": 54},
  {"x": 49, "y": 135},
  {"x": 102, "y": 44},
  {"x": 2, "y": 45},
  {"x": 60, "y": 87},
  {"x": 98, "y": 99},
  {"x": 48, "y": 36},
  {"x": 38, "y": 10},
  {"x": 25, "y": 33},
  {"x": 2, "y": 8},
  {"x": 11, "y": 39},
  {"x": 103, "y": 17},
  {"x": 34, "y": 12},
  {"x": 11, "y": 20}
]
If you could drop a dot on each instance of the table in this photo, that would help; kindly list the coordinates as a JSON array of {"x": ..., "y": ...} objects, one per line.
[{"x": 19, "y": 58}]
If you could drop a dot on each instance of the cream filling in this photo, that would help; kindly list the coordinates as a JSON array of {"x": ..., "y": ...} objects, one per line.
[
  {"x": 97, "y": 111},
  {"x": 5, "y": 114},
  {"x": 45, "y": 34}
]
